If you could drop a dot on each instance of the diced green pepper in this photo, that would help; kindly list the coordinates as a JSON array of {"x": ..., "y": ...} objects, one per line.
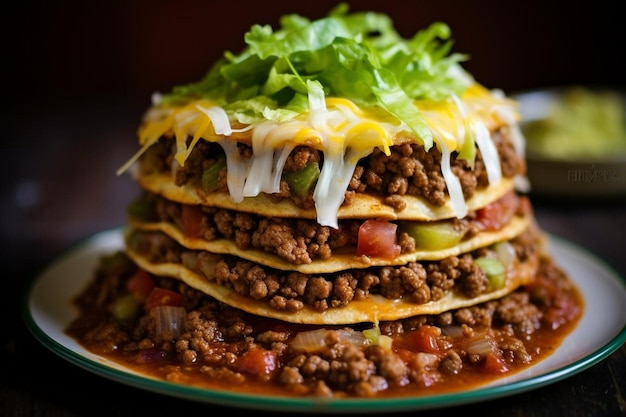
[
  {"x": 125, "y": 308},
  {"x": 211, "y": 175},
  {"x": 301, "y": 182},
  {"x": 432, "y": 236},
  {"x": 468, "y": 150},
  {"x": 372, "y": 335},
  {"x": 495, "y": 271}
]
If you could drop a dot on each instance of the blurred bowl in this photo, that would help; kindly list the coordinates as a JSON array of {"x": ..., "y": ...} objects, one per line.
[{"x": 568, "y": 151}]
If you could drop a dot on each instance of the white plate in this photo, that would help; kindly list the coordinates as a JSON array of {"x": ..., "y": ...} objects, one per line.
[{"x": 601, "y": 331}]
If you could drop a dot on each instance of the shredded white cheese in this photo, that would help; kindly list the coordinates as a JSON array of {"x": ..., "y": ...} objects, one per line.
[{"x": 342, "y": 131}]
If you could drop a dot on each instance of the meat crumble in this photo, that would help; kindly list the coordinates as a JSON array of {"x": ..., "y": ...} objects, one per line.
[
  {"x": 193, "y": 339},
  {"x": 221, "y": 347},
  {"x": 419, "y": 282},
  {"x": 408, "y": 170},
  {"x": 297, "y": 241}
]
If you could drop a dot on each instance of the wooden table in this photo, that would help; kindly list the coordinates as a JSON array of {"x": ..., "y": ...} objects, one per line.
[{"x": 59, "y": 187}]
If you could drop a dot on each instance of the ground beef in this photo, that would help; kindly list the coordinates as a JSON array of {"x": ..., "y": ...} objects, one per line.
[
  {"x": 220, "y": 343},
  {"x": 408, "y": 170},
  {"x": 297, "y": 241},
  {"x": 420, "y": 282}
]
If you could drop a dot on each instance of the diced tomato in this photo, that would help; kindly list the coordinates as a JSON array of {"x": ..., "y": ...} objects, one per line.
[
  {"x": 140, "y": 285},
  {"x": 377, "y": 238},
  {"x": 193, "y": 221},
  {"x": 257, "y": 361},
  {"x": 405, "y": 354},
  {"x": 542, "y": 290},
  {"x": 494, "y": 364},
  {"x": 424, "y": 339},
  {"x": 162, "y": 297},
  {"x": 563, "y": 311},
  {"x": 488, "y": 217},
  {"x": 495, "y": 215},
  {"x": 525, "y": 206}
]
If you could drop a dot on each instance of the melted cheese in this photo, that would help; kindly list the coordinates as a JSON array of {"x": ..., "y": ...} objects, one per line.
[{"x": 344, "y": 133}]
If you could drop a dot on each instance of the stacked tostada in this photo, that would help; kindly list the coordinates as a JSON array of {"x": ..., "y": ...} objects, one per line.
[{"x": 336, "y": 180}]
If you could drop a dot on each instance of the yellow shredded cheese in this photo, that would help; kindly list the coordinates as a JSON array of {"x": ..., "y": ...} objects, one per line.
[{"x": 339, "y": 128}]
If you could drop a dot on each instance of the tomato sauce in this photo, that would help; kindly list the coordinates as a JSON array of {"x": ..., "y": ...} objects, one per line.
[{"x": 251, "y": 353}]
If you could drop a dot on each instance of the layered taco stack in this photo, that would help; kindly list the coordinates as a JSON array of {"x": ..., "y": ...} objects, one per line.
[{"x": 334, "y": 181}]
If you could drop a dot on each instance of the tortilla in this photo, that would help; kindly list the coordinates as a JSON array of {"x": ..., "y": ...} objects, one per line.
[
  {"x": 362, "y": 206},
  {"x": 372, "y": 309},
  {"x": 339, "y": 261}
]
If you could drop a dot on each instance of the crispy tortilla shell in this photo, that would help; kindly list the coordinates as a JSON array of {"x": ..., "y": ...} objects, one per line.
[
  {"x": 339, "y": 261},
  {"x": 362, "y": 206},
  {"x": 372, "y": 309}
]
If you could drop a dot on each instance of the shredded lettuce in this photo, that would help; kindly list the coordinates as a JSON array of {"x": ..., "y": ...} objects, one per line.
[{"x": 359, "y": 56}]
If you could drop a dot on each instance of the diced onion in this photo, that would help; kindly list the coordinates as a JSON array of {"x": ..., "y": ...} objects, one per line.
[
  {"x": 169, "y": 321},
  {"x": 385, "y": 342},
  {"x": 452, "y": 331},
  {"x": 311, "y": 341},
  {"x": 505, "y": 252},
  {"x": 315, "y": 340},
  {"x": 424, "y": 360},
  {"x": 481, "y": 345},
  {"x": 189, "y": 259},
  {"x": 206, "y": 262},
  {"x": 152, "y": 355}
]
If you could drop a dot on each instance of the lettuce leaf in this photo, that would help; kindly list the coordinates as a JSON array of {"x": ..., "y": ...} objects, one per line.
[{"x": 358, "y": 56}]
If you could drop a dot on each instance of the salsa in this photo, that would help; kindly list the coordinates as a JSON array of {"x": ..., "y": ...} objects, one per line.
[{"x": 178, "y": 334}]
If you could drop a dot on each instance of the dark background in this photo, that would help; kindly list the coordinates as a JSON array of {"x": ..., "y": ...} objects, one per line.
[
  {"x": 77, "y": 75},
  {"x": 128, "y": 49}
]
